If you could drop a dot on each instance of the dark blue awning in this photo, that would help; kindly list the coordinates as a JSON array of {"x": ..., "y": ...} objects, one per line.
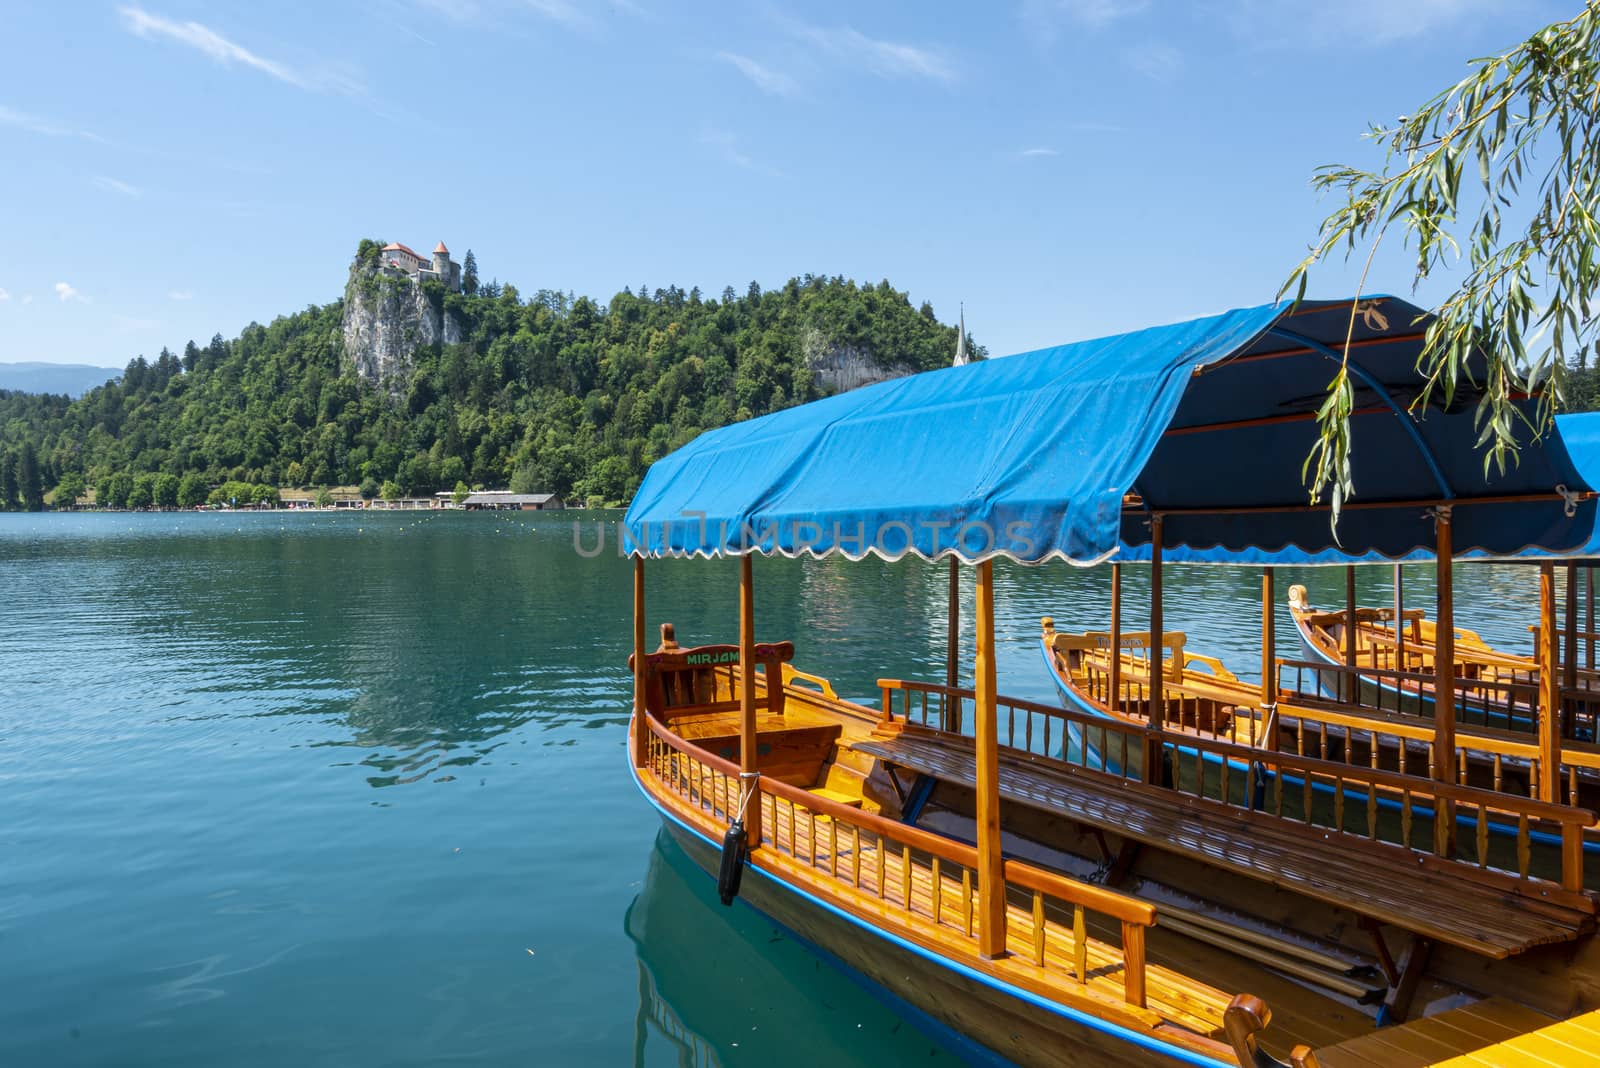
[{"x": 1065, "y": 453}]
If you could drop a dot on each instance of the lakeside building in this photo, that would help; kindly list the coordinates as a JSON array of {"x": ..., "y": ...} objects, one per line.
[{"x": 505, "y": 500}]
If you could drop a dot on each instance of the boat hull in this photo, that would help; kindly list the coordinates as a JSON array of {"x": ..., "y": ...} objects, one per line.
[{"x": 987, "y": 1022}]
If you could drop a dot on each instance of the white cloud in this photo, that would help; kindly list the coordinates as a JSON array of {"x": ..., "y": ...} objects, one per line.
[
  {"x": 209, "y": 42},
  {"x": 727, "y": 145},
  {"x": 1047, "y": 15},
  {"x": 65, "y": 293},
  {"x": 1041, "y": 151},
  {"x": 115, "y": 186},
  {"x": 457, "y": 10},
  {"x": 1158, "y": 62},
  {"x": 577, "y": 14},
  {"x": 564, "y": 12},
  {"x": 1371, "y": 23},
  {"x": 27, "y": 298},
  {"x": 34, "y": 124},
  {"x": 887, "y": 59},
  {"x": 142, "y": 23},
  {"x": 4, "y": 296},
  {"x": 765, "y": 78},
  {"x": 180, "y": 294}
]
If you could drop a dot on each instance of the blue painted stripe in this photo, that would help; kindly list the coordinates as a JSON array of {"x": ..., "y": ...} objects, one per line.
[{"x": 1094, "y": 1023}]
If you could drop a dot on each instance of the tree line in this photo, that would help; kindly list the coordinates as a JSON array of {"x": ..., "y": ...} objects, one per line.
[{"x": 555, "y": 393}]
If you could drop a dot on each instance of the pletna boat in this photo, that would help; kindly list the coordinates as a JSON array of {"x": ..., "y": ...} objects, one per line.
[{"x": 1109, "y": 901}]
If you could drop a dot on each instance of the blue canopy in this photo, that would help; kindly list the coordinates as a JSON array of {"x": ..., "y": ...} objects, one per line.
[{"x": 1066, "y": 453}]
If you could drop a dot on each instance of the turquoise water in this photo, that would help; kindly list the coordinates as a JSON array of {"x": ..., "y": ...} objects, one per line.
[{"x": 337, "y": 789}]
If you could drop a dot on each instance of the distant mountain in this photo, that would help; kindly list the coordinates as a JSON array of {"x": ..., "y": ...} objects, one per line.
[{"x": 73, "y": 379}]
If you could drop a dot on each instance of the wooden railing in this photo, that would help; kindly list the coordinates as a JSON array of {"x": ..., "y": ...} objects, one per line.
[
  {"x": 1026, "y": 725},
  {"x": 926, "y": 879},
  {"x": 1484, "y": 702},
  {"x": 1346, "y": 799},
  {"x": 1511, "y": 762}
]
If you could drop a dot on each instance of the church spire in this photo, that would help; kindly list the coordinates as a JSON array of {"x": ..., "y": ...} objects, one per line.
[{"x": 962, "y": 359}]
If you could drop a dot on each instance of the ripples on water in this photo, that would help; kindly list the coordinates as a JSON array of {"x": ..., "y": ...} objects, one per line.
[{"x": 337, "y": 789}]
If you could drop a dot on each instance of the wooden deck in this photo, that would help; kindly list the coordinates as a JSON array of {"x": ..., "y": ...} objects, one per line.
[
  {"x": 1494, "y": 1032},
  {"x": 1486, "y": 915}
]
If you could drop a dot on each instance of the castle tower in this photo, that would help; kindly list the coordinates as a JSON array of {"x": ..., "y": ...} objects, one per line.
[{"x": 449, "y": 272}]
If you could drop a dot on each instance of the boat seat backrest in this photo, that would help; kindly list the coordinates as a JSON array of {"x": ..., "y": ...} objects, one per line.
[
  {"x": 703, "y": 679},
  {"x": 1137, "y": 642}
]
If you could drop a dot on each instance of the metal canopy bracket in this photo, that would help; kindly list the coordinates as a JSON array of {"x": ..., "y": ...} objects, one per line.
[{"x": 1368, "y": 380}]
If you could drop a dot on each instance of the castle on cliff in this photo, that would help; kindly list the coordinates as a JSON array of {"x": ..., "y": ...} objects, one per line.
[{"x": 399, "y": 259}]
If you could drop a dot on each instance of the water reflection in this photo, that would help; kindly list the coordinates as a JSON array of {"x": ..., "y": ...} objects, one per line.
[
  {"x": 726, "y": 986},
  {"x": 422, "y": 641}
]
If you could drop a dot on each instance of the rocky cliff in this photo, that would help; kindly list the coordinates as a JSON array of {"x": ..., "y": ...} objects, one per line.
[
  {"x": 836, "y": 368},
  {"x": 387, "y": 317}
]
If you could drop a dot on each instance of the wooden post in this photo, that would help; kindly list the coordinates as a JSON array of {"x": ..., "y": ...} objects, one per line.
[
  {"x": 1588, "y": 610},
  {"x": 1444, "y": 657},
  {"x": 986, "y": 726},
  {"x": 952, "y": 648},
  {"x": 1399, "y": 621},
  {"x": 641, "y": 733},
  {"x": 1116, "y": 637},
  {"x": 747, "y": 696},
  {"x": 1549, "y": 688},
  {"x": 1350, "y": 615},
  {"x": 1569, "y": 659},
  {"x": 1269, "y": 634},
  {"x": 1158, "y": 681}
]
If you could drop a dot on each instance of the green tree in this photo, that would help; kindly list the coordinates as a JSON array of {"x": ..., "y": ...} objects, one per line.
[
  {"x": 143, "y": 493},
  {"x": 469, "y": 274},
  {"x": 1504, "y": 168},
  {"x": 525, "y": 479},
  {"x": 164, "y": 490},
  {"x": 69, "y": 489},
  {"x": 8, "y": 480},
  {"x": 192, "y": 490},
  {"x": 369, "y": 488},
  {"x": 119, "y": 488},
  {"x": 324, "y": 497},
  {"x": 30, "y": 480},
  {"x": 460, "y": 493},
  {"x": 391, "y": 491}
]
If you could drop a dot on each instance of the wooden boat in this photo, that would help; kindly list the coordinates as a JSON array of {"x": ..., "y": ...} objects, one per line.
[
  {"x": 1494, "y": 688},
  {"x": 1302, "y": 715},
  {"x": 1395, "y": 668},
  {"x": 1077, "y": 904}
]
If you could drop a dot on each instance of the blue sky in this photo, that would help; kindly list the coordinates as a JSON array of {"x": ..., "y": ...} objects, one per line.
[{"x": 1067, "y": 168}]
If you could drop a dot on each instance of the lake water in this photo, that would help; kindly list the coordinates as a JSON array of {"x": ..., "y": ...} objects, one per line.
[{"x": 339, "y": 789}]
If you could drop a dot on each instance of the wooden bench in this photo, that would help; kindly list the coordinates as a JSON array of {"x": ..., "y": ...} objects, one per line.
[
  {"x": 1447, "y": 901},
  {"x": 792, "y": 755}
]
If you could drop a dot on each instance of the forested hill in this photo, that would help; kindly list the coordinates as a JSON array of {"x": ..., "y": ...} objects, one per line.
[{"x": 556, "y": 393}]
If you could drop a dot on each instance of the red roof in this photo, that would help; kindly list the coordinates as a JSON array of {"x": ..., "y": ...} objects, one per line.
[
  {"x": 395, "y": 246},
  {"x": 441, "y": 248}
]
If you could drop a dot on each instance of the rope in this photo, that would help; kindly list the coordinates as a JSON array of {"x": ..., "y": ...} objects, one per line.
[
  {"x": 1569, "y": 500},
  {"x": 747, "y": 790}
]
